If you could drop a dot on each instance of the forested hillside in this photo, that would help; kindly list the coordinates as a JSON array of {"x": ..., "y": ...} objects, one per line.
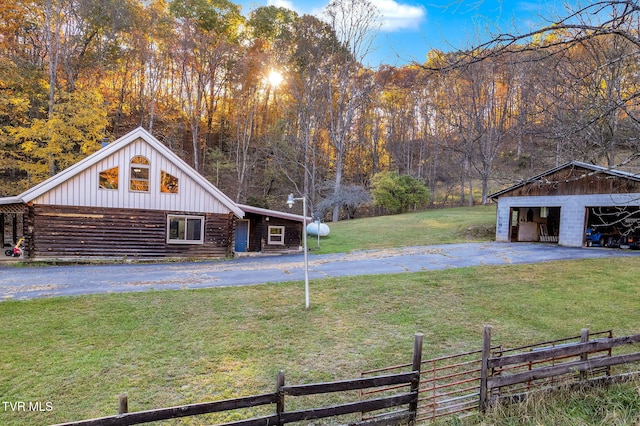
[{"x": 274, "y": 102}]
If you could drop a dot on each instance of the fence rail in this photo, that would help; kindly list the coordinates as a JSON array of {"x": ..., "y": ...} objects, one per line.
[
  {"x": 281, "y": 416},
  {"x": 562, "y": 360},
  {"x": 430, "y": 389},
  {"x": 469, "y": 381}
]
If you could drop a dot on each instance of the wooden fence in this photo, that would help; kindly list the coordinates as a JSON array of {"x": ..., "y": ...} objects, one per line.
[
  {"x": 538, "y": 366},
  {"x": 408, "y": 398},
  {"x": 471, "y": 381},
  {"x": 424, "y": 389}
]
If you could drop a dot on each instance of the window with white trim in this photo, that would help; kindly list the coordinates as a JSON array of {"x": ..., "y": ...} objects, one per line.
[
  {"x": 185, "y": 229},
  {"x": 276, "y": 235},
  {"x": 139, "y": 179}
]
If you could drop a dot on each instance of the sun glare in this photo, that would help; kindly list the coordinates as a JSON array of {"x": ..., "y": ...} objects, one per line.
[{"x": 275, "y": 78}]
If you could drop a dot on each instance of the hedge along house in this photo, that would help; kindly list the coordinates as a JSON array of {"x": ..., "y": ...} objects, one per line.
[
  {"x": 558, "y": 205},
  {"x": 133, "y": 198},
  {"x": 269, "y": 231}
]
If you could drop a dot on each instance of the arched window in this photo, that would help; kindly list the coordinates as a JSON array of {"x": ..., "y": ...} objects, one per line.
[{"x": 139, "y": 180}]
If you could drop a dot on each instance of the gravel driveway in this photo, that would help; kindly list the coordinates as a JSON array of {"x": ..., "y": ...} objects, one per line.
[{"x": 50, "y": 281}]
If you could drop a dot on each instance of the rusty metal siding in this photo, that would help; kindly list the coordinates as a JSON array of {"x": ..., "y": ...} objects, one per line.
[
  {"x": 575, "y": 181},
  {"x": 83, "y": 189}
]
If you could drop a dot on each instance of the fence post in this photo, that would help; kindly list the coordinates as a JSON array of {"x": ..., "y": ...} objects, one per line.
[
  {"x": 484, "y": 369},
  {"x": 415, "y": 383},
  {"x": 280, "y": 403},
  {"x": 584, "y": 338},
  {"x": 123, "y": 404}
]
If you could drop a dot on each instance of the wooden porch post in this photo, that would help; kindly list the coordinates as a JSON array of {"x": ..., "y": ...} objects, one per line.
[{"x": 15, "y": 228}]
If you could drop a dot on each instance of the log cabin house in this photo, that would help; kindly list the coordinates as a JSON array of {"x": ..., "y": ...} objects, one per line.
[
  {"x": 560, "y": 204},
  {"x": 132, "y": 199}
]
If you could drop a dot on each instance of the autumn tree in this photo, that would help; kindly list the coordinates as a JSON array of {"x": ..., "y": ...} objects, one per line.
[
  {"x": 355, "y": 23},
  {"x": 605, "y": 33},
  {"x": 271, "y": 32},
  {"x": 205, "y": 29},
  {"x": 74, "y": 130},
  {"x": 595, "y": 118},
  {"x": 312, "y": 43}
]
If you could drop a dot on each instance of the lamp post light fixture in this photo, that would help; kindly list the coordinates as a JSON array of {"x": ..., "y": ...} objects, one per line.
[{"x": 290, "y": 202}]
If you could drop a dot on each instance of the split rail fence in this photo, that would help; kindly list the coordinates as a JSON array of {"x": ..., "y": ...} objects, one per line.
[
  {"x": 424, "y": 390},
  {"x": 408, "y": 398},
  {"x": 471, "y": 381}
]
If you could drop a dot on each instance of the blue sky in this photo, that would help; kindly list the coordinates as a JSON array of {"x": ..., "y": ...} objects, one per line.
[{"x": 410, "y": 28}]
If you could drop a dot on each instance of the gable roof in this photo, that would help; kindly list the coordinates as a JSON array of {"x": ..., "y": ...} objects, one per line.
[
  {"x": 274, "y": 213},
  {"x": 112, "y": 148},
  {"x": 594, "y": 169}
]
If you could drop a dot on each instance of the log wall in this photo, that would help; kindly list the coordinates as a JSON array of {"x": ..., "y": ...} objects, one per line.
[
  {"x": 292, "y": 235},
  {"x": 259, "y": 234},
  {"x": 94, "y": 232}
]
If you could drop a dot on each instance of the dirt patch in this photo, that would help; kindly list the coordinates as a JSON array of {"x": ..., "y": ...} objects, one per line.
[{"x": 480, "y": 232}]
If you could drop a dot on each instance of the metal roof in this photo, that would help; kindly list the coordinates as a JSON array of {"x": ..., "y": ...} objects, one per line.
[
  {"x": 594, "y": 168},
  {"x": 273, "y": 213}
]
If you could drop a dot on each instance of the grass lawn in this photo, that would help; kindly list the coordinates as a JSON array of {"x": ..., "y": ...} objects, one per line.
[
  {"x": 76, "y": 355},
  {"x": 438, "y": 226}
]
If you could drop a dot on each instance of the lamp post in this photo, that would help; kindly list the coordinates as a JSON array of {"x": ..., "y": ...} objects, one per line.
[{"x": 290, "y": 202}]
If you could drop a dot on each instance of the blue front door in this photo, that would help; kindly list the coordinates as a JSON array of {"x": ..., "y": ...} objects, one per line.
[{"x": 242, "y": 236}]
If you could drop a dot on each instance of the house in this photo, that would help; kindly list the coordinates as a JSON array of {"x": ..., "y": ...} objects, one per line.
[
  {"x": 134, "y": 198},
  {"x": 558, "y": 206},
  {"x": 268, "y": 231}
]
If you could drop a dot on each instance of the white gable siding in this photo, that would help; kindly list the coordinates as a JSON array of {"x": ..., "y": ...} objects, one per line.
[{"x": 83, "y": 189}]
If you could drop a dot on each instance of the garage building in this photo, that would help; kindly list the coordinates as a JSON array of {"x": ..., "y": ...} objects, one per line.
[{"x": 559, "y": 205}]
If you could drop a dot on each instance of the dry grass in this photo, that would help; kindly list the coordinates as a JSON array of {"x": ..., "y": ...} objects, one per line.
[{"x": 614, "y": 405}]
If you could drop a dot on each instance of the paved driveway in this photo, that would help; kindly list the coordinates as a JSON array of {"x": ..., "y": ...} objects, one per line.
[{"x": 49, "y": 281}]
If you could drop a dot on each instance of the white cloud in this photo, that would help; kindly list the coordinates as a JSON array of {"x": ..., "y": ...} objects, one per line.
[
  {"x": 397, "y": 16},
  {"x": 281, "y": 3}
]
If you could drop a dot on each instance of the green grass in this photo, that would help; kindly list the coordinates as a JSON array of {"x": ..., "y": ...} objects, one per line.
[
  {"x": 178, "y": 347},
  {"x": 617, "y": 404},
  {"x": 437, "y": 226}
]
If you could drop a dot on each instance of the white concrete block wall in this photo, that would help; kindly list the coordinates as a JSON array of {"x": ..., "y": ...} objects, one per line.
[{"x": 572, "y": 212}]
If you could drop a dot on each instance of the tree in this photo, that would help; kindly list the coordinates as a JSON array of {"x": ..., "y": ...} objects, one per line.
[
  {"x": 205, "y": 28},
  {"x": 608, "y": 32},
  {"x": 249, "y": 90},
  {"x": 354, "y": 23},
  {"x": 74, "y": 130},
  {"x": 350, "y": 198},
  {"x": 312, "y": 43},
  {"x": 398, "y": 193}
]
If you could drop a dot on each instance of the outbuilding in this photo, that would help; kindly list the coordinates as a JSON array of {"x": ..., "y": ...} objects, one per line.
[
  {"x": 268, "y": 231},
  {"x": 134, "y": 198},
  {"x": 559, "y": 205}
]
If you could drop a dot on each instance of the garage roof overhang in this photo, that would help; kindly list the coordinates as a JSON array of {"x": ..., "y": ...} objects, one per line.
[{"x": 590, "y": 168}]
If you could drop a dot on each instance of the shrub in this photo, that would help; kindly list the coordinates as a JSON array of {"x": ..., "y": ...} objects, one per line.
[{"x": 397, "y": 193}]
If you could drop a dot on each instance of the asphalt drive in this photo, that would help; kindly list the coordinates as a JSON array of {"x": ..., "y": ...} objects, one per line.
[{"x": 69, "y": 280}]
